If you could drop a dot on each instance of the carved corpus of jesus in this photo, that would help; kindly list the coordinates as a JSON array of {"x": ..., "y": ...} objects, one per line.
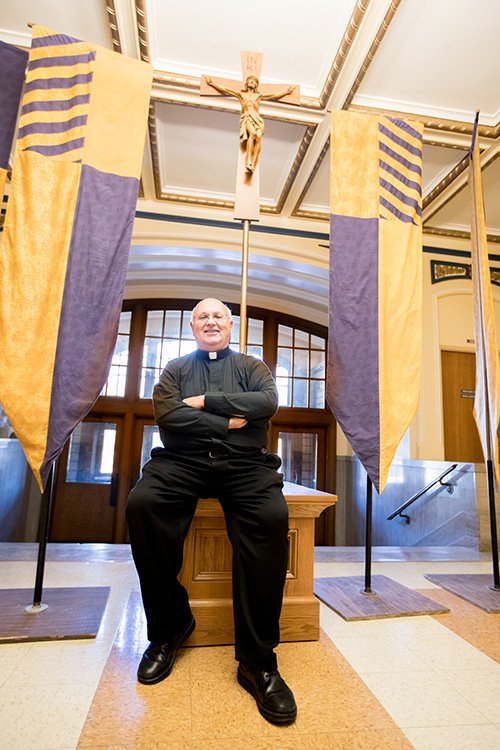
[{"x": 251, "y": 122}]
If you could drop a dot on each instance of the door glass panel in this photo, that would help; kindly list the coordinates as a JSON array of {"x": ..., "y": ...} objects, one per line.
[
  {"x": 150, "y": 439},
  {"x": 299, "y": 455},
  {"x": 91, "y": 453}
]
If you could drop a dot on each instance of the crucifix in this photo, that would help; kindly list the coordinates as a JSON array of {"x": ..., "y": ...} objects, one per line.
[{"x": 249, "y": 94}]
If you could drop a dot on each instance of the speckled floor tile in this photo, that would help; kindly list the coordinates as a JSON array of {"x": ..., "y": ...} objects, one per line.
[
  {"x": 56, "y": 715},
  {"x": 375, "y": 739},
  {"x": 11, "y": 656},
  {"x": 457, "y": 737},
  {"x": 481, "y": 688},
  {"x": 55, "y": 662},
  {"x": 420, "y": 699}
]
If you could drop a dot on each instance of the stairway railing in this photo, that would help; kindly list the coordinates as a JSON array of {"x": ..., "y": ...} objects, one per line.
[{"x": 439, "y": 479}]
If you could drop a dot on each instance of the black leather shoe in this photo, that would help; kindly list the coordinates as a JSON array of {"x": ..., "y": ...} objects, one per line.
[
  {"x": 159, "y": 658},
  {"x": 274, "y": 698}
]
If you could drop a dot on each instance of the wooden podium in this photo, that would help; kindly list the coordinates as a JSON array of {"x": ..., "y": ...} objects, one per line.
[{"x": 206, "y": 572}]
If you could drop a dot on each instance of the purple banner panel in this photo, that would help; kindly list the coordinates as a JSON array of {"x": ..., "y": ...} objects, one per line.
[
  {"x": 13, "y": 62},
  {"x": 92, "y": 301},
  {"x": 352, "y": 385}
]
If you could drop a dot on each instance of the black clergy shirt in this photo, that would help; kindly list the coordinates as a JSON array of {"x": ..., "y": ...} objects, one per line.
[{"x": 233, "y": 384}]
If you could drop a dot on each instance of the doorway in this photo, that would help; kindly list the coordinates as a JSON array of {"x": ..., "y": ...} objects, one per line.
[
  {"x": 461, "y": 438},
  {"x": 86, "y": 483}
]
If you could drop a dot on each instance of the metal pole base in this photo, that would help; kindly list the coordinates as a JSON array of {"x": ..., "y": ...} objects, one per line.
[
  {"x": 33, "y": 609},
  {"x": 367, "y": 592},
  {"x": 495, "y": 588}
]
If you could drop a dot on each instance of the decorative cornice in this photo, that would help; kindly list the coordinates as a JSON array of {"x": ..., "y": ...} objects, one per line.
[
  {"x": 153, "y": 143},
  {"x": 142, "y": 29},
  {"x": 299, "y": 158},
  {"x": 341, "y": 56},
  {"x": 296, "y": 211},
  {"x": 446, "y": 182},
  {"x": 372, "y": 51},
  {"x": 113, "y": 25},
  {"x": 432, "y": 123},
  {"x": 438, "y": 232},
  {"x": 315, "y": 215}
]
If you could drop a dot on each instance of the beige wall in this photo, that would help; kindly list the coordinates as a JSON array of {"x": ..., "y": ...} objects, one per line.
[{"x": 447, "y": 324}]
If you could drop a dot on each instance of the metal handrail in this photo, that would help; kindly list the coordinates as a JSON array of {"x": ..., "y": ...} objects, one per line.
[{"x": 399, "y": 511}]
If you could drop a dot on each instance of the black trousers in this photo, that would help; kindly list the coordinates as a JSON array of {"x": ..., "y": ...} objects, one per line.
[{"x": 159, "y": 512}]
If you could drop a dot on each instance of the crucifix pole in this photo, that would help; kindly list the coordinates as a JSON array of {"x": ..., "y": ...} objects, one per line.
[
  {"x": 244, "y": 286},
  {"x": 249, "y": 93}
]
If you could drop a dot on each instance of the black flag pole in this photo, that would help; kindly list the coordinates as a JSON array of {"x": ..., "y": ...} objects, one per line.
[
  {"x": 493, "y": 526},
  {"x": 43, "y": 536},
  {"x": 368, "y": 539}
]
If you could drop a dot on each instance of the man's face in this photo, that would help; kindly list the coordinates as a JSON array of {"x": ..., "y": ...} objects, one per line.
[{"x": 211, "y": 325}]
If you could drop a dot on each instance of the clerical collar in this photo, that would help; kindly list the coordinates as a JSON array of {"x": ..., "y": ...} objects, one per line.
[{"x": 214, "y": 355}]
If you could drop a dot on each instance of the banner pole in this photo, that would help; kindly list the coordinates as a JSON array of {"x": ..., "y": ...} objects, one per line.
[
  {"x": 493, "y": 526},
  {"x": 43, "y": 534},
  {"x": 368, "y": 539}
]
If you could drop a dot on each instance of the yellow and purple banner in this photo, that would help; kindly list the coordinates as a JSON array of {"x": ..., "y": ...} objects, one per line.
[
  {"x": 375, "y": 315},
  {"x": 13, "y": 63},
  {"x": 486, "y": 402},
  {"x": 67, "y": 235}
]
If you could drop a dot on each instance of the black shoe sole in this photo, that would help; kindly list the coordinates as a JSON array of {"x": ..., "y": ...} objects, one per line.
[
  {"x": 272, "y": 716},
  {"x": 169, "y": 666}
]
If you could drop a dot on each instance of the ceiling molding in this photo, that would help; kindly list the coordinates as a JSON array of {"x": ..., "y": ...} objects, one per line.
[
  {"x": 113, "y": 25},
  {"x": 447, "y": 184},
  {"x": 312, "y": 214},
  {"x": 343, "y": 51},
  {"x": 142, "y": 29},
  {"x": 372, "y": 51},
  {"x": 437, "y": 232},
  {"x": 439, "y": 124},
  {"x": 299, "y": 158}
]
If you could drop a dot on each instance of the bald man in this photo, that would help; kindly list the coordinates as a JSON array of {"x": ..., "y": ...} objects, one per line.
[{"x": 213, "y": 408}]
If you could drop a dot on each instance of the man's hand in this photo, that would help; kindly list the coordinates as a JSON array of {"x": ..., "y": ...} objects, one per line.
[
  {"x": 236, "y": 422},
  {"x": 198, "y": 402}
]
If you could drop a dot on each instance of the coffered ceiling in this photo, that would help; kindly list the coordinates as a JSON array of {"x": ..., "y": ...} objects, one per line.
[{"x": 432, "y": 60}]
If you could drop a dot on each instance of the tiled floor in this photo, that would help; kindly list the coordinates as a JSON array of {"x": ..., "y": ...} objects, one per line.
[{"x": 431, "y": 683}]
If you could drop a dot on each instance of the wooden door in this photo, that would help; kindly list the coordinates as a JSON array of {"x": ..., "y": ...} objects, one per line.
[
  {"x": 86, "y": 483},
  {"x": 461, "y": 438}
]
